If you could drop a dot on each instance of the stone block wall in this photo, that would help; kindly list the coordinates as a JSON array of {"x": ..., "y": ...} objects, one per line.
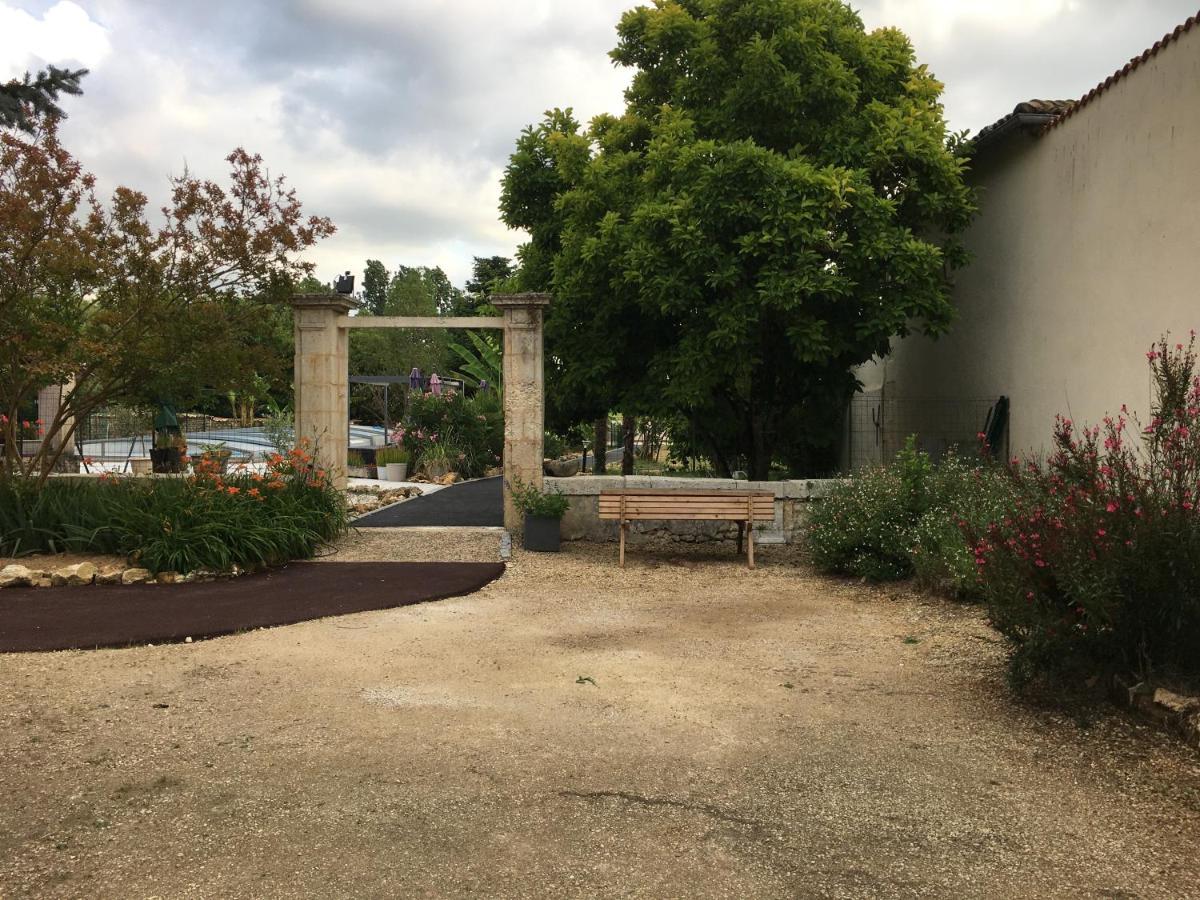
[{"x": 582, "y": 522}]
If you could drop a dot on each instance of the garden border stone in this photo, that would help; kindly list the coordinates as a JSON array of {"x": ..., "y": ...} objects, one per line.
[
  {"x": 15, "y": 575},
  {"x": 1178, "y": 714}
]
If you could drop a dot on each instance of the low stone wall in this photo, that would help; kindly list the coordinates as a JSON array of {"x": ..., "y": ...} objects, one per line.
[{"x": 582, "y": 521}]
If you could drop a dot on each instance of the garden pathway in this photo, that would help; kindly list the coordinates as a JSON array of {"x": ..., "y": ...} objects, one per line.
[
  {"x": 682, "y": 727},
  {"x": 472, "y": 503},
  {"x": 477, "y": 503}
]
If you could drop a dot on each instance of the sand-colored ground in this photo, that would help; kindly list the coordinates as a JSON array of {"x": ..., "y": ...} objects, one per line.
[{"x": 684, "y": 727}]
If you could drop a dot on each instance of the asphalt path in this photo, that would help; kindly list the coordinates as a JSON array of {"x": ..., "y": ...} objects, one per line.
[{"x": 472, "y": 503}]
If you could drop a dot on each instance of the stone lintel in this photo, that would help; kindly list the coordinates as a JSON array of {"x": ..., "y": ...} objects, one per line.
[
  {"x": 529, "y": 300},
  {"x": 340, "y": 303}
]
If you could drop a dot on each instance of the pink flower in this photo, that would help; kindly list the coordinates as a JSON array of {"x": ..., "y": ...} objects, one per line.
[{"x": 1112, "y": 507}]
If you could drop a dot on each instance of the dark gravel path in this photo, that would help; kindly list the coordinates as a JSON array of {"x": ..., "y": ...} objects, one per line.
[
  {"x": 70, "y": 618},
  {"x": 471, "y": 503}
]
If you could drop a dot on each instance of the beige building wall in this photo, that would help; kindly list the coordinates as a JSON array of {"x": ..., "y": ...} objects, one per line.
[{"x": 1086, "y": 249}]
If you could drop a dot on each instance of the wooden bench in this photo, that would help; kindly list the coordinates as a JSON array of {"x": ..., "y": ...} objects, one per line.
[{"x": 743, "y": 507}]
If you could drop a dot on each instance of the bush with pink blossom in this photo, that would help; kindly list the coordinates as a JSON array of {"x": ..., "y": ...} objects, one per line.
[{"x": 1094, "y": 567}]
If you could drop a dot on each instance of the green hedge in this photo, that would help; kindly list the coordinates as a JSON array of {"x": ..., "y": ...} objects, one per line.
[{"x": 205, "y": 521}]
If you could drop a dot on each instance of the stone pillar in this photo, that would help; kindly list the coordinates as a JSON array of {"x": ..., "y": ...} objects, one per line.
[
  {"x": 322, "y": 398},
  {"x": 524, "y": 404}
]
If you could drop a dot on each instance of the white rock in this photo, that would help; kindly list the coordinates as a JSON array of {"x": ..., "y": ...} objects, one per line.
[
  {"x": 15, "y": 576},
  {"x": 109, "y": 575},
  {"x": 135, "y": 576},
  {"x": 80, "y": 573}
]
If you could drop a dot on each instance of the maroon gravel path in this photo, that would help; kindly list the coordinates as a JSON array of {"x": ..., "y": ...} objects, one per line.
[{"x": 69, "y": 618}]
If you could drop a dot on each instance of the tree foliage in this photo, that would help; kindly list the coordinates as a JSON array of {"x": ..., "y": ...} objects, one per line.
[
  {"x": 779, "y": 200},
  {"x": 25, "y": 101},
  {"x": 375, "y": 287},
  {"x": 95, "y": 297}
]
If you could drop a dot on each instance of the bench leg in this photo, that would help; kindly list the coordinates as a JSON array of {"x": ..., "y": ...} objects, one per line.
[
  {"x": 741, "y": 532},
  {"x": 623, "y": 527},
  {"x": 750, "y": 543}
]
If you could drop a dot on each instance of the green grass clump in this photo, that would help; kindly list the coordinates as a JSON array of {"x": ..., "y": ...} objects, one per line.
[{"x": 207, "y": 521}]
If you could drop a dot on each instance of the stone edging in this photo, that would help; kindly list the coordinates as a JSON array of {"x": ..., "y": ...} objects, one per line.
[
  {"x": 1177, "y": 713},
  {"x": 16, "y": 575}
]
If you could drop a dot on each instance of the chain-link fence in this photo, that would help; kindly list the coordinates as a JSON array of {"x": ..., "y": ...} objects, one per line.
[{"x": 877, "y": 426}]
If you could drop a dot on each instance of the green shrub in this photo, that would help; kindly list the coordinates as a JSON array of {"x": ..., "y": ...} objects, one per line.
[
  {"x": 906, "y": 520},
  {"x": 534, "y": 502},
  {"x": 354, "y": 460},
  {"x": 862, "y": 528},
  {"x": 207, "y": 521},
  {"x": 553, "y": 446}
]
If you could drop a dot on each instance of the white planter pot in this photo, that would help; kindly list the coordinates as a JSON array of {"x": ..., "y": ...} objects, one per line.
[
  {"x": 397, "y": 471},
  {"x": 141, "y": 466}
]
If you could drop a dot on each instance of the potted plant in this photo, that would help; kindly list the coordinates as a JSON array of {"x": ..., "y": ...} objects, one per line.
[
  {"x": 355, "y": 466},
  {"x": 543, "y": 516},
  {"x": 167, "y": 455},
  {"x": 392, "y": 463},
  {"x": 217, "y": 454}
]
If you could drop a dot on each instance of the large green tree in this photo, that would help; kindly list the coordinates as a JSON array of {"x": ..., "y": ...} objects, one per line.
[
  {"x": 375, "y": 287},
  {"x": 779, "y": 201}
]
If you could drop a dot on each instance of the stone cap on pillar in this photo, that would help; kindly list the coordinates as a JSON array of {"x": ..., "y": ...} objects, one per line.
[
  {"x": 520, "y": 301},
  {"x": 341, "y": 303}
]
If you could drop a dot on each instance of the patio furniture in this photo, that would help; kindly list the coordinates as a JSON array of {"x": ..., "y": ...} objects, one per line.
[{"x": 743, "y": 507}]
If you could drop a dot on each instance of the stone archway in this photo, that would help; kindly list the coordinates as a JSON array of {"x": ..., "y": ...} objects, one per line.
[{"x": 322, "y": 399}]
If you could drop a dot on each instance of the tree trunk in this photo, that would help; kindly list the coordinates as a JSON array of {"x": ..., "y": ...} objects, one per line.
[
  {"x": 600, "y": 446},
  {"x": 629, "y": 426},
  {"x": 760, "y": 456}
]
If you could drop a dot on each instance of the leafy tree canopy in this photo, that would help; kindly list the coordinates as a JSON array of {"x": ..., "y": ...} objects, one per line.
[
  {"x": 95, "y": 297},
  {"x": 780, "y": 199}
]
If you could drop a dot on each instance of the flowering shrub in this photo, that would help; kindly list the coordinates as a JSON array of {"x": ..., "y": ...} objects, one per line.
[
  {"x": 1095, "y": 564},
  {"x": 467, "y": 433},
  {"x": 902, "y": 520},
  {"x": 206, "y": 521}
]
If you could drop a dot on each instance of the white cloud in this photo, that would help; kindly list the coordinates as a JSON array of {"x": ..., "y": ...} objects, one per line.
[{"x": 64, "y": 35}]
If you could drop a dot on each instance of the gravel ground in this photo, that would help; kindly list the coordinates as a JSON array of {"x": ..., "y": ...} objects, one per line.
[{"x": 684, "y": 727}]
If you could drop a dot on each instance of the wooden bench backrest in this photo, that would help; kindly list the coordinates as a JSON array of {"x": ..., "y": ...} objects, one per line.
[{"x": 664, "y": 503}]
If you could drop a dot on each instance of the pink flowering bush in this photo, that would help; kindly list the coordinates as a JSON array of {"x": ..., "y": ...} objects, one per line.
[
  {"x": 1095, "y": 564},
  {"x": 467, "y": 432}
]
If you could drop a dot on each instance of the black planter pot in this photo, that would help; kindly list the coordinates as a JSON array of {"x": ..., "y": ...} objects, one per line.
[
  {"x": 167, "y": 461},
  {"x": 541, "y": 534}
]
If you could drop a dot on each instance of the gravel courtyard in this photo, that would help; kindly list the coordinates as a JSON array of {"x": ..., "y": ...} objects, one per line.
[{"x": 684, "y": 727}]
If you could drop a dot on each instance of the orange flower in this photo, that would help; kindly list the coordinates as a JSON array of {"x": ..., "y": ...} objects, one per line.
[
  {"x": 254, "y": 492},
  {"x": 231, "y": 490}
]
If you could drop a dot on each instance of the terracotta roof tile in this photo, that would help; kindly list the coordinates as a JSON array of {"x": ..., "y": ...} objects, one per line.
[{"x": 1148, "y": 54}]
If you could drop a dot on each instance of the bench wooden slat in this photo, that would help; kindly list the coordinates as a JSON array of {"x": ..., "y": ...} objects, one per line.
[
  {"x": 671, "y": 492},
  {"x": 744, "y": 507}
]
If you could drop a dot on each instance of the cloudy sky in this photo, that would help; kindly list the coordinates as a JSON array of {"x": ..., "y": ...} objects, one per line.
[{"x": 395, "y": 117}]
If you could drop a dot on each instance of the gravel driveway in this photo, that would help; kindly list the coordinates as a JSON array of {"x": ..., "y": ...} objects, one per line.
[{"x": 684, "y": 727}]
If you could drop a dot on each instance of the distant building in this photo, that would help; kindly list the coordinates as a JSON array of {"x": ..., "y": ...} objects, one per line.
[{"x": 1086, "y": 249}]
